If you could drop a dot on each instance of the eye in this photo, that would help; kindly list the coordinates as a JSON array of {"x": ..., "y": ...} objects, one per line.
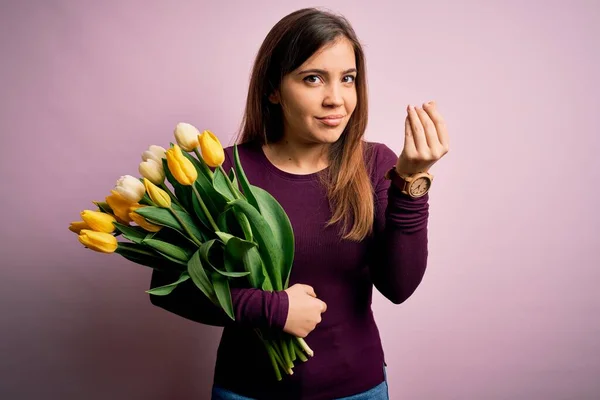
[
  {"x": 312, "y": 79},
  {"x": 351, "y": 80}
]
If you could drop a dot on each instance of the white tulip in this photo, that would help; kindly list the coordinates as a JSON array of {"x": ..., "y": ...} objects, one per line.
[
  {"x": 155, "y": 153},
  {"x": 186, "y": 136},
  {"x": 153, "y": 171},
  {"x": 130, "y": 188}
]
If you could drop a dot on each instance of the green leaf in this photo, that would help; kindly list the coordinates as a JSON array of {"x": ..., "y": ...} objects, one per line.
[
  {"x": 233, "y": 222},
  {"x": 281, "y": 227},
  {"x": 221, "y": 186},
  {"x": 221, "y": 285},
  {"x": 205, "y": 256},
  {"x": 239, "y": 252},
  {"x": 243, "y": 179},
  {"x": 270, "y": 252},
  {"x": 104, "y": 207},
  {"x": 167, "y": 289},
  {"x": 164, "y": 217},
  {"x": 224, "y": 236},
  {"x": 170, "y": 251},
  {"x": 134, "y": 233},
  {"x": 142, "y": 255},
  {"x": 200, "y": 278}
]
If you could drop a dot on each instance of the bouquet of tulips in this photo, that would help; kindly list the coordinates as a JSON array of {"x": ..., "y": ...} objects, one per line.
[{"x": 213, "y": 227}]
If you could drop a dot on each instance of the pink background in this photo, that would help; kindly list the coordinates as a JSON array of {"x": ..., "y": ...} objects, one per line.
[{"x": 509, "y": 307}]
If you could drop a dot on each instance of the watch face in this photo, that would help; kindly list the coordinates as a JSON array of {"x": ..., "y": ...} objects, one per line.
[{"x": 420, "y": 186}]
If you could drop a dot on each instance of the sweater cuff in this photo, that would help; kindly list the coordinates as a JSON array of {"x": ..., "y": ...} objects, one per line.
[{"x": 280, "y": 306}]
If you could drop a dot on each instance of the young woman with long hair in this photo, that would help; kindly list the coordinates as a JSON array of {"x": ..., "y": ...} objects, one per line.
[{"x": 359, "y": 215}]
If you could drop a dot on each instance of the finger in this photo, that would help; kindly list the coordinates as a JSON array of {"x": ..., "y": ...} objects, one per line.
[
  {"x": 440, "y": 124},
  {"x": 309, "y": 290},
  {"x": 430, "y": 132},
  {"x": 324, "y": 307},
  {"x": 417, "y": 130},
  {"x": 409, "y": 141}
]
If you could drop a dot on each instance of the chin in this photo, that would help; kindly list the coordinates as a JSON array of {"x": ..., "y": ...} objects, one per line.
[{"x": 328, "y": 136}]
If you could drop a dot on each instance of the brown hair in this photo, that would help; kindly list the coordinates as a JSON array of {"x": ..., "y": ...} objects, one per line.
[{"x": 293, "y": 40}]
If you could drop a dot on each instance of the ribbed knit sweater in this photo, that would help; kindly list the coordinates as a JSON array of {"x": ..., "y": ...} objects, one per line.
[{"x": 349, "y": 357}]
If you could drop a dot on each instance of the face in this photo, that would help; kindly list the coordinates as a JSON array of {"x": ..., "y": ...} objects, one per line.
[{"x": 319, "y": 97}]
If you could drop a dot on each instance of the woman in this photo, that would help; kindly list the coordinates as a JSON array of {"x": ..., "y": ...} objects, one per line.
[{"x": 302, "y": 140}]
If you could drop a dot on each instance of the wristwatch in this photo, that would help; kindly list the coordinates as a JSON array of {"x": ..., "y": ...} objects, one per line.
[{"x": 413, "y": 185}]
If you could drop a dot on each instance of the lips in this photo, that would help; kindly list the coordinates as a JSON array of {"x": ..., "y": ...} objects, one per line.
[
  {"x": 336, "y": 116},
  {"x": 331, "y": 120}
]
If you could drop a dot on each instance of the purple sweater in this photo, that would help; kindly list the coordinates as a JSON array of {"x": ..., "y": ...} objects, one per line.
[{"x": 349, "y": 357}]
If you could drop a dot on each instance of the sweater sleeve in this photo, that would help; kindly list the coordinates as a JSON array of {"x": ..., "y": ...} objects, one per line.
[
  {"x": 253, "y": 308},
  {"x": 400, "y": 244}
]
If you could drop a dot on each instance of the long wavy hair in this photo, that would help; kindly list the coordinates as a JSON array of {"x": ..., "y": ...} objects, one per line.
[{"x": 293, "y": 40}]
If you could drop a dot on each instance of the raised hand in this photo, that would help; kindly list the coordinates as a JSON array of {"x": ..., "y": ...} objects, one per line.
[{"x": 425, "y": 139}]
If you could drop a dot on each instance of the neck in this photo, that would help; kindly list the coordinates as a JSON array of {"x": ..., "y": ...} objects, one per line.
[{"x": 297, "y": 157}]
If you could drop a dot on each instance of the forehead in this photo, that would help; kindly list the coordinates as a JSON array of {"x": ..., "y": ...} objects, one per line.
[{"x": 334, "y": 56}]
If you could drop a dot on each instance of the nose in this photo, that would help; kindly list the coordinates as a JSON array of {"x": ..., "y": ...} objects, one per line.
[{"x": 333, "y": 96}]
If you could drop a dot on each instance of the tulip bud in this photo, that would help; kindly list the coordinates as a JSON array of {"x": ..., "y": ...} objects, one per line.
[
  {"x": 98, "y": 241},
  {"x": 181, "y": 167},
  {"x": 154, "y": 152},
  {"x": 186, "y": 136},
  {"x": 120, "y": 206},
  {"x": 130, "y": 188},
  {"x": 152, "y": 171},
  {"x": 99, "y": 221},
  {"x": 141, "y": 221},
  {"x": 157, "y": 195},
  {"x": 77, "y": 226},
  {"x": 212, "y": 151}
]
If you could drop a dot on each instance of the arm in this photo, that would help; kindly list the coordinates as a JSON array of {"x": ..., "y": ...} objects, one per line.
[
  {"x": 252, "y": 307},
  {"x": 399, "y": 252}
]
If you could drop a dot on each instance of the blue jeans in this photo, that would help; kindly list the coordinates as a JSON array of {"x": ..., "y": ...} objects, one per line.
[{"x": 379, "y": 392}]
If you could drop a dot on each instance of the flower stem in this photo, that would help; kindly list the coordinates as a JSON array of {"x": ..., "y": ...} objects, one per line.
[
  {"x": 205, "y": 210},
  {"x": 185, "y": 227},
  {"x": 298, "y": 351},
  {"x": 305, "y": 347}
]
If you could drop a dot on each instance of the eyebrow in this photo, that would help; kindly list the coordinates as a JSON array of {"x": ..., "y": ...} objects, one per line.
[{"x": 323, "y": 72}]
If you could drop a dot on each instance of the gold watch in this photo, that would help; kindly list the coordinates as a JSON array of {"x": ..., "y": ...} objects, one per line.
[{"x": 413, "y": 185}]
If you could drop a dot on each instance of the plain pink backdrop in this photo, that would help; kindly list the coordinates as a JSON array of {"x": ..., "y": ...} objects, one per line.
[{"x": 509, "y": 305}]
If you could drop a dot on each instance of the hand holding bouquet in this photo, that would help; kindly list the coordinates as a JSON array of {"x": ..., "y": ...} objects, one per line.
[{"x": 211, "y": 226}]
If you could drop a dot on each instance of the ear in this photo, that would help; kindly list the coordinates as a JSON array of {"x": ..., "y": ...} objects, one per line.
[{"x": 274, "y": 97}]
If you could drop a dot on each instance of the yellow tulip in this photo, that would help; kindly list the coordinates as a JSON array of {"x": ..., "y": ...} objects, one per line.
[
  {"x": 130, "y": 188},
  {"x": 157, "y": 195},
  {"x": 98, "y": 221},
  {"x": 120, "y": 206},
  {"x": 212, "y": 151},
  {"x": 98, "y": 241},
  {"x": 77, "y": 226},
  {"x": 186, "y": 136},
  {"x": 181, "y": 168},
  {"x": 141, "y": 221},
  {"x": 153, "y": 171}
]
